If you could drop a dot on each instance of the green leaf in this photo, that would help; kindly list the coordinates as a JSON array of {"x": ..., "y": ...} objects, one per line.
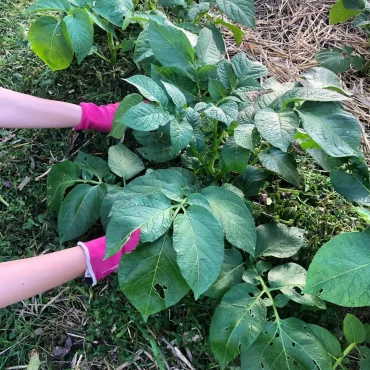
[
  {"x": 245, "y": 68},
  {"x": 62, "y": 176},
  {"x": 79, "y": 211},
  {"x": 148, "y": 88},
  {"x": 353, "y": 329},
  {"x": 107, "y": 204},
  {"x": 339, "y": 14},
  {"x": 196, "y": 10},
  {"x": 51, "y": 42},
  {"x": 218, "y": 38},
  {"x": 143, "y": 52},
  {"x": 290, "y": 277},
  {"x": 277, "y": 128},
  {"x": 337, "y": 271},
  {"x": 363, "y": 213},
  {"x": 102, "y": 23},
  {"x": 177, "y": 77},
  {"x": 181, "y": 134},
  {"x": 199, "y": 200},
  {"x": 158, "y": 152},
  {"x": 364, "y": 358},
  {"x": 170, "y": 46},
  {"x": 176, "y": 95},
  {"x": 230, "y": 110},
  {"x": 336, "y": 131},
  {"x": 231, "y": 274},
  {"x": 169, "y": 3},
  {"x": 81, "y": 31},
  {"x": 234, "y": 157},
  {"x": 239, "y": 11},
  {"x": 278, "y": 240},
  {"x": 351, "y": 186},
  {"x": 98, "y": 166},
  {"x": 173, "y": 192},
  {"x": 288, "y": 345},
  {"x": 151, "y": 184},
  {"x": 354, "y": 4},
  {"x": 128, "y": 102},
  {"x": 152, "y": 214},
  {"x": 246, "y": 136},
  {"x": 282, "y": 163},
  {"x": 237, "y": 32},
  {"x": 123, "y": 162},
  {"x": 206, "y": 49},
  {"x": 145, "y": 117},
  {"x": 237, "y": 321},
  {"x": 327, "y": 339},
  {"x": 235, "y": 218},
  {"x": 112, "y": 10},
  {"x": 199, "y": 243},
  {"x": 226, "y": 74},
  {"x": 361, "y": 20},
  {"x": 150, "y": 278},
  {"x": 323, "y": 78},
  {"x": 358, "y": 61},
  {"x": 301, "y": 94},
  {"x": 50, "y": 5},
  {"x": 216, "y": 89},
  {"x": 333, "y": 59}
]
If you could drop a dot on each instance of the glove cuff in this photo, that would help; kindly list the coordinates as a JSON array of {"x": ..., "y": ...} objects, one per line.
[{"x": 89, "y": 273}]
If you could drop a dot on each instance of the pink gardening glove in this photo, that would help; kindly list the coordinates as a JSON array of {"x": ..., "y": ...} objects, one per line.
[
  {"x": 97, "y": 267},
  {"x": 98, "y": 118}
]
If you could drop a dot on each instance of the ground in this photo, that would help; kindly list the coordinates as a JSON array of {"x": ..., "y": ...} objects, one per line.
[{"x": 75, "y": 326}]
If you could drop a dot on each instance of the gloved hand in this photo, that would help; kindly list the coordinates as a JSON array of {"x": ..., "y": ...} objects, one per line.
[
  {"x": 98, "y": 118},
  {"x": 97, "y": 268}
]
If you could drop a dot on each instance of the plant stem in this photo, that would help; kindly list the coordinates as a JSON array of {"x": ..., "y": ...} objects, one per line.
[
  {"x": 2, "y": 200},
  {"x": 345, "y": 353},
  {"x": 214, "y": 147},
  {"x": 180, "y": 206},
  {"x": 112, "y": 49},
  {"x": 101, "y": 56},
  {"x": 255, "y": 160},
  {"x": 267, "y": 291},
  {"x": 200, "y": 159},
  {"x": 89, "y": 182}
]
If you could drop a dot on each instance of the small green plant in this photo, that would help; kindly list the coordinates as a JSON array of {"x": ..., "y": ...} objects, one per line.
[
  {"x": 197, "y": 228},
  {"x": 343, "y": 10},
  {"x": 340, "y": 60}
]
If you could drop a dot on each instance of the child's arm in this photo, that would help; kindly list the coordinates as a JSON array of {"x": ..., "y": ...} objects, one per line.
[
  {"x": 24, "y": 111},
  {"x": 25, "y": 278}
]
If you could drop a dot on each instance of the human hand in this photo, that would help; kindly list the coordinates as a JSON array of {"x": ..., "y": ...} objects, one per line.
[
  {"x": 97, "y": 117},
  {"x": 97, "y": 267}
]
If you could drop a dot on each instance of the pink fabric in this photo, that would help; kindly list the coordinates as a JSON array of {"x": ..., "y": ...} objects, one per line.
[
  {"x": 98, "y": 118},
  {"x": 97, "y": 267}
]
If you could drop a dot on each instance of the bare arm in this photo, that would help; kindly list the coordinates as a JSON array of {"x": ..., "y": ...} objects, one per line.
[
  {"x": 24, "y": 111},
  {"x": 25, "y": 278}
]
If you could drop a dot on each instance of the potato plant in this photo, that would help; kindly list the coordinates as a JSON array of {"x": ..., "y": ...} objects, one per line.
[
  {"x": 344, "y": 10},
  {"x": 56, "y": 40},
  {"x": 212, "y": 147}
]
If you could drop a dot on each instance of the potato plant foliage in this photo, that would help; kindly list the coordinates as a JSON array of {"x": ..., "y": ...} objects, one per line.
[
  {"x": 56, "y": 39},
  {"x": 213, "y": 148}
]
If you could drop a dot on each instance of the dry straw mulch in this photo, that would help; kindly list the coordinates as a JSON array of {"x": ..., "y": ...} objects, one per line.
[{"x": 288, "y": 35}]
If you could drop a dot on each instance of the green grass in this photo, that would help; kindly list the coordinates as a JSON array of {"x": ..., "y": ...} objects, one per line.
[{"x": 104, "y": 328}]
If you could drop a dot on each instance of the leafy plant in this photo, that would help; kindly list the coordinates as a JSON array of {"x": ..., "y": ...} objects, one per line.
[
  {"x": 197, "y": 228},
  {"x": 57, "y": 40},
  {"x": 343, "y": 10},
  {"x": 340, "y": 60}
]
